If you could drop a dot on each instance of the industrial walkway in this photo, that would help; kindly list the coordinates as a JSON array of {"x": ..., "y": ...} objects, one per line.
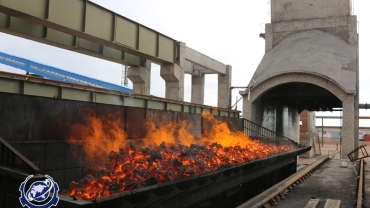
[
  {"x": 331, "y": 181},
  {"x": 366, "y": 202}
]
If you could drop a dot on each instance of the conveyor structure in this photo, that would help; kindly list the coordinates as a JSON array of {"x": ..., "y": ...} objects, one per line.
[{"x": 54, "y": 73}]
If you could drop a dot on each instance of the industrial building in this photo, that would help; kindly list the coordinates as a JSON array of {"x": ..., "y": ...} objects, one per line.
[{"x": 68, "y": 140}]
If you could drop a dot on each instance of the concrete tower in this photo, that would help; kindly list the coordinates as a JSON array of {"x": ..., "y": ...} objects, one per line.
[{"x": 310, "y": 63}]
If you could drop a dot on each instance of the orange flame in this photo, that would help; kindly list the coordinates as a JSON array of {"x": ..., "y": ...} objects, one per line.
[
  {"x": 221, "y": 133},
  {"x": 98, "y": 136},
  {"x": 170, "y": 132},
  {"x": 170, "y": 152}
]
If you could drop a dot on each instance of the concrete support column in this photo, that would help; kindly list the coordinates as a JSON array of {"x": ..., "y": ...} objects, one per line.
[
  {"x": 348, "y": 126},
  {"x": 357, "y": 98},
  {"x": 140, "y": 77},
  {"x": 224, "y": 85},
  {"x": 197, "y": 89},
  {"x": 352, "y": 30},
  {"x": 268, "y": 37},
  {"x": 247, "y": 105},
  {"x": 173, "y": 74}
]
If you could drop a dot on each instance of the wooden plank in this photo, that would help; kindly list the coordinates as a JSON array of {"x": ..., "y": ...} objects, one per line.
[
  {"x": 332, "y": 203},
  {"x": 344, "y": 164},
  {"x": 312, "y": 203}
]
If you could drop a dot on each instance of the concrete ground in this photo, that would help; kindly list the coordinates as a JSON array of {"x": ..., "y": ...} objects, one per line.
[
  {"x": 331, "y": 181},
  {"x": 331, "y": 145}
]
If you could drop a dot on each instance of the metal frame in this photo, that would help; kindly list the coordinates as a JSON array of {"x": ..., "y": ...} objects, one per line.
[
  {"x": 11, "y": 160},
  {"x": 254, "y": 130},
  {"x": 353, "y": 154},
  {"x": 93, "y": 25},
  {"x": 57, "y": 74},
  {"x": 272, "y": 195},
  {"x": 190, "y": 191},
  {"x": 35, "y": 86}
]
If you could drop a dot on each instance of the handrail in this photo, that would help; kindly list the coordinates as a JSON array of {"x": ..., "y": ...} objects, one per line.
[
  {"x": 254, "y": 130},
  {"x": 12, "y": 158},
  {"x": 354, "y": 156}
]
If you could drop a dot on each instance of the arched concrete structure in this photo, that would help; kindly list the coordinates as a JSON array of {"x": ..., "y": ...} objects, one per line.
[
  {"x": 251, "y": 106},
  {"x": 322, "y": 52},
  {"x": 312, "y": 51},
  {"x": 311, "y": 62}
]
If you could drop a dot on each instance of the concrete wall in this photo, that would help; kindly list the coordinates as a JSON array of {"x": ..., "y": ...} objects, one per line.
[
  {"x": 289, "y": 10},
  {"x": 252, "y": 107},
  {"x": 276, "y": 117},
  {"x": 314, "y": 52},
  {"x": 292, "y": 16},
  {"x": 312, "y": 41}
]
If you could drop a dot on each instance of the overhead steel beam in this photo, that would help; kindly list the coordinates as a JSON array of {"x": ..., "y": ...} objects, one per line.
[
  {"x": 204, "y": 61},
  {"x": 17, "y": 27},
  {"x": 89, "y": 22}
]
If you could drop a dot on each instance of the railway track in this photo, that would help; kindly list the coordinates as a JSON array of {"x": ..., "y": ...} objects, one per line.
[
  {"x": 360, "y": 194},
  {"x": 273, "y": 195}
]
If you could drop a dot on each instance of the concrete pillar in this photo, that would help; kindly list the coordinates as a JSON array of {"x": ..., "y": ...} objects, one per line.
[
  {"x": 268, "y": 37},
  {"x": 247, "y": 104},
  {"x": 140, "y": 77},
  {"x": 224, "y": 85},
  {"x": 348, "y": 126},
  {"x": 180, "y": 59},
  {"x": 352, "y": 30},
  {"x": 357, "y": 97},
  {"x": 197, "y": 89},
  {"x": 173, "y": 75}
]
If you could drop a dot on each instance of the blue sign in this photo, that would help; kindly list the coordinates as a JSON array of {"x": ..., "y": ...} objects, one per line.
[{"x": 40, "y": 194}]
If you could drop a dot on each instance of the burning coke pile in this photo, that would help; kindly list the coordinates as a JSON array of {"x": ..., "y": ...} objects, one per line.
[{"x": 168, "y": 152}]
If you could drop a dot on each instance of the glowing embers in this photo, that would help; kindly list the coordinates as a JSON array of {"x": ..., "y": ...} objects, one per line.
[
  {"x": 134, "y": 167},
  {"x": 169, "y": 151}
]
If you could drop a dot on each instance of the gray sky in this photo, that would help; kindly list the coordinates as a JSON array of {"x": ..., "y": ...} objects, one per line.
[{"x": 227, "y": 31}]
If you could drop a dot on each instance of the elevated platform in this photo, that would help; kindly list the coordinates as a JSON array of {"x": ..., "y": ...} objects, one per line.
[{"x": 322, "y": 181}]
